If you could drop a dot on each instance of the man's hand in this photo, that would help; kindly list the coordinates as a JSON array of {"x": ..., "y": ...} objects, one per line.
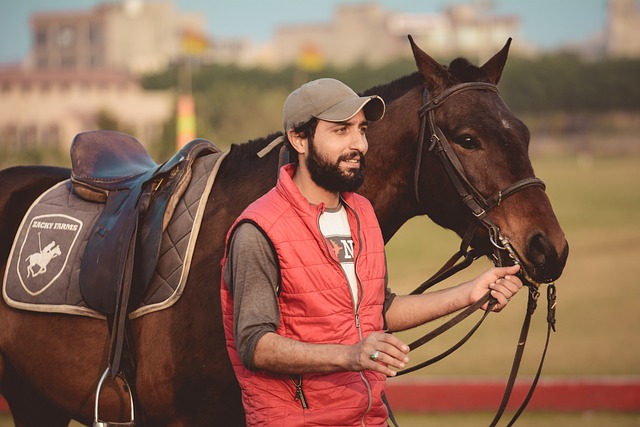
[
  {"x": 379, "y": 352},
  {"x": 502, "y": 282}
]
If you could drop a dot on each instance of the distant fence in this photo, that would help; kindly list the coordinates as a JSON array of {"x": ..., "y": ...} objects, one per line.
[{"x": 618, "y": 394}]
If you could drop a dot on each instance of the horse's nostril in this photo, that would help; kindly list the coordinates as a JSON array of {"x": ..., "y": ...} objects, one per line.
[
  {"x": 540, "y": 250},
  {"x": 545, "y": 261}
]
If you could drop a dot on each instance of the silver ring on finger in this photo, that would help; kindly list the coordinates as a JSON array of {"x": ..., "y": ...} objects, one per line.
[{"x": 374, "y": 356}]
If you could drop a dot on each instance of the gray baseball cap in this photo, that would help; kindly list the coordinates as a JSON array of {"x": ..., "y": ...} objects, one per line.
[{"x": 330, "y": 100}]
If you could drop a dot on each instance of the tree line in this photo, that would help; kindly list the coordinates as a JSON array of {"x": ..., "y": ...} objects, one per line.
[
  {"x": 554, "y": 94},
  {"x": 551, "y": 83},
  {"x": 236, "y": 104}
]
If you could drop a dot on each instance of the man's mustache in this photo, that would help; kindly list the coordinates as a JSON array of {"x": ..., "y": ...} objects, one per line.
[{"x": 351, "y": 156}]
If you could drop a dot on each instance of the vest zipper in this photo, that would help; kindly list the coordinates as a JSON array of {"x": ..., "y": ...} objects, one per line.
[
  {"x": 356, "y": 305},
  {"x": 299, "y": 393},
  {"x": 357, "y": 311}
]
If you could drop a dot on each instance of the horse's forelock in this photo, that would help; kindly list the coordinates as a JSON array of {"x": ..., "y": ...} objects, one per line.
[
  {"x": 460, "y": 68},
  {"x": 464, "y": 71}
]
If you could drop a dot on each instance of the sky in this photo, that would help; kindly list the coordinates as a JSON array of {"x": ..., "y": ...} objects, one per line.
[{"x": 547, "y": 24}]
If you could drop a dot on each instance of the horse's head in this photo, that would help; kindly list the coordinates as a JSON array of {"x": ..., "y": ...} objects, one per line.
[
  {"x": 462, "y": 158},
  {"x": 56, "y": 251},
  {"x": 479, "y": 158}
]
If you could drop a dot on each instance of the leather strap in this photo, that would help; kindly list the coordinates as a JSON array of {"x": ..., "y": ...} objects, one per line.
[
  {"x": 119, "y": 330},
  {"x": 445, "y": 327},
  {"x": 551, "y": 321},
  {"x": 452, "y": 266},
  {"x": 522, "y": 340}
]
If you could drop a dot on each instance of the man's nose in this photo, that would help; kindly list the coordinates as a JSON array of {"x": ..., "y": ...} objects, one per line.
[{"x": 359, "y": 142}]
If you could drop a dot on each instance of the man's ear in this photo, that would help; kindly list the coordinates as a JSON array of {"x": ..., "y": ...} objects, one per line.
[{"x": 298, "y": 142}]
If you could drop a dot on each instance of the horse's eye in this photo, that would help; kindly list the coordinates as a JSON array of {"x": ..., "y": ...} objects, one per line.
[{"x": 467, "y": 142}]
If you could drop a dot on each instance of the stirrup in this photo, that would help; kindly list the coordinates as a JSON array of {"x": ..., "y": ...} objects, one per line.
[{"x": 96, "y": 419}]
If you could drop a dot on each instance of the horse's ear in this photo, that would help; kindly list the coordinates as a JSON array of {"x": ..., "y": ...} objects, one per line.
[
  {"x": 495, "y": 65},
  {"x": 434, "y": 74}
]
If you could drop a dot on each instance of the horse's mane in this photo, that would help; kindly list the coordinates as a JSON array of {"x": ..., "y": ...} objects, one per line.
[
  {"x": 395, "y": 89},
  {"x": 247, "y": 150}
]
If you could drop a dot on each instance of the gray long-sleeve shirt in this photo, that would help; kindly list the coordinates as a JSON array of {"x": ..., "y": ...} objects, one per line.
[{"x": 251, "y": 273}]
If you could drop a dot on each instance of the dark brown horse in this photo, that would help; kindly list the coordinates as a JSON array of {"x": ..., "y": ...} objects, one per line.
[{"x": 50, "y": 363}]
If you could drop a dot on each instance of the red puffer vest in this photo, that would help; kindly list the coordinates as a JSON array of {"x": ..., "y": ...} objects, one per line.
[{"x": 315, "y": 306}]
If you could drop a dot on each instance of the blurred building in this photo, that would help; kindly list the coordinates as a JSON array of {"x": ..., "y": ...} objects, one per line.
[
  {"x": 622, "y": 36},
  {"x": 130, "y": 35},
  {"x": 46, "y": 109},
  {"x": 371, "y": 34},
  {"x": 84, "y": 64}
]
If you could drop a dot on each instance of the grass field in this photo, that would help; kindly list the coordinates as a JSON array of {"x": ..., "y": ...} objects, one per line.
[{"x": 598, "y": 317}]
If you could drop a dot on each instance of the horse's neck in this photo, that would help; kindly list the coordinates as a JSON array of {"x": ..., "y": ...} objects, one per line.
[
  {"x": 392, "y": 208},
  {"x": 389, "y": 184}
]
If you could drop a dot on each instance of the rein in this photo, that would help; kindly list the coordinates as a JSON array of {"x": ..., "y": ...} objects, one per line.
[{"x": 503, "y": 252}]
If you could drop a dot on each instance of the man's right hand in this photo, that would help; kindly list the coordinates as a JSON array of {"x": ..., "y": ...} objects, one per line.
[{"x": 379, "y": 352}]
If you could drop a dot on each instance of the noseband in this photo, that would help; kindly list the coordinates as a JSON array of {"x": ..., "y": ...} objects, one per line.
[{"x": 470, "y": 196}]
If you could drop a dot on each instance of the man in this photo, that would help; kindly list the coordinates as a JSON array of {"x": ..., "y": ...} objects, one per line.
[{"x": 305, "y": 300}]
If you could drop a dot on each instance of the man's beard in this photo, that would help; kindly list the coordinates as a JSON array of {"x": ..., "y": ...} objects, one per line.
[{"x": 329, "y": 175}]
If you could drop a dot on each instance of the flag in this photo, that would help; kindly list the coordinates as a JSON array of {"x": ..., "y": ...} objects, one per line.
[
  {"x": 194, "y": 42},
  {"x": 186, "y": 120},
  {"x": 310, "y": 58}
]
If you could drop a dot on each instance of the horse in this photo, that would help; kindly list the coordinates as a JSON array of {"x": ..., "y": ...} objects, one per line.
[{"x": 50, "y": 364}]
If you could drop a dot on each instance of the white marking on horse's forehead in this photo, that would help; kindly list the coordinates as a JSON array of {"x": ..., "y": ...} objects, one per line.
[{"x": 506, "y": 121}]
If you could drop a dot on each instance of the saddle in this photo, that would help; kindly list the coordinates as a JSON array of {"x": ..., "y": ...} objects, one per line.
[{"x": 139, "y": 198}]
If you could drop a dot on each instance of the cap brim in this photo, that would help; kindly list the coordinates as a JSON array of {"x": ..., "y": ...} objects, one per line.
[{"x": 343, "y": 111}]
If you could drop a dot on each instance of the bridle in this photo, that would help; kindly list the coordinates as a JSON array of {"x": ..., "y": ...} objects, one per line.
[
  {"x": 470, "y": 196},
  {"x": 503, "y": 251},
  {"x": 478, "y": 205}
]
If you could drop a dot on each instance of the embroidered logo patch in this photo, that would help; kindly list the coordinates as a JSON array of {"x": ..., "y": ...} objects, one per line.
[
  {"x": 342, "y": 247},
  {"x": 45, "y": 250}
]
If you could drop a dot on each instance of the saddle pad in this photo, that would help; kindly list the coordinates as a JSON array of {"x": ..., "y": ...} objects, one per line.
[{"x": 44, "y": 264}]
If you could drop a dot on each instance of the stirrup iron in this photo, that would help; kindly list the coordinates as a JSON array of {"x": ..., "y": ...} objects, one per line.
[{"x": 96, "y": 418}]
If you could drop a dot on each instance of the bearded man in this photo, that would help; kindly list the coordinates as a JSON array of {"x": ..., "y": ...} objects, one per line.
[{"x": 307, "y": 311}]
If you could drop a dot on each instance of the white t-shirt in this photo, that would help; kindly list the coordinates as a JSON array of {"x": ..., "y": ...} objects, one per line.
[{"x": 334, "y": 225}]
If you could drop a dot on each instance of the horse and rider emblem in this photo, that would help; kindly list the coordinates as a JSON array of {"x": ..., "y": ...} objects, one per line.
[
  {"x": 41, "y": 259},
  {"x": 45, "y": 250}
]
